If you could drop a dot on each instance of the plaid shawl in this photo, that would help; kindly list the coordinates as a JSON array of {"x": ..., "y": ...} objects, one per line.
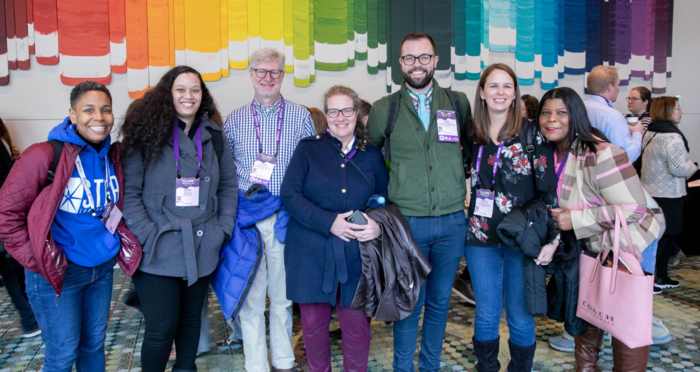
[{"x": 592, "y": 184}]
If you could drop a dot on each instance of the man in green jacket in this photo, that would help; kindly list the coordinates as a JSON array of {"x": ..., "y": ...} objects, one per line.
[{"x": 427, "y": 183}]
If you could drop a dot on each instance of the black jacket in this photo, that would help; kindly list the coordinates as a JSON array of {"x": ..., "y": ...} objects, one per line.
[
  {"x": 6, "y": 162},
  {"x": 393, "y": 269},
  {"x": 527, "y": 229},
  {"x": 562, "y": 289}
]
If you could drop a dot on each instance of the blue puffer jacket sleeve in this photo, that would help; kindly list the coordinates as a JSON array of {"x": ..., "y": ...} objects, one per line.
[{"x": 240, "y": 258}]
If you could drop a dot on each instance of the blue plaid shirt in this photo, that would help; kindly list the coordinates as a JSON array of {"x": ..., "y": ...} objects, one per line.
[{"x": 240, "y": 131}]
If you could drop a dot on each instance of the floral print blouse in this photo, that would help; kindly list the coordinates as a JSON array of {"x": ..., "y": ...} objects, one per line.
[{"x": 516, "y": 183}]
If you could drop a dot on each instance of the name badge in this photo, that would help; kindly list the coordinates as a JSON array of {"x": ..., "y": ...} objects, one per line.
[
  {"x": 111, "y": 217},
  {"x": 262, "y": 169},
  {"x": 187, "y": 192},
  {"x": 447, "y": 126},
  {"x": 484, "y": 203}
]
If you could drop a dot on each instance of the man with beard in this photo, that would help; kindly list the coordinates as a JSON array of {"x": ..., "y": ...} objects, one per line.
[
  {"x": 263, "y": 135},
  {"x": 427, "y": 183}
]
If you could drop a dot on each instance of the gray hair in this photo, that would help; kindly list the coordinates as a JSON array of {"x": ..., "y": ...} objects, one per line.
[{"x": 265, "y": 55}]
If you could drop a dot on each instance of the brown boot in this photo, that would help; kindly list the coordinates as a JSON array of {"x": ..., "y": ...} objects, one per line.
[
  {"x": 587, "y": 349},
  {"x": 629, "y": 360}
]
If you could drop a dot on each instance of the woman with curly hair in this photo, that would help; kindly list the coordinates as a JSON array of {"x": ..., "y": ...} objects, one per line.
[
  {"x": 180, "y": 200},
  {"x": 330, "y": 176}
]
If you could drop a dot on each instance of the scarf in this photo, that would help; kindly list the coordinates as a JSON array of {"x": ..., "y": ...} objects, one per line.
[{"x": 666, "y": 127}]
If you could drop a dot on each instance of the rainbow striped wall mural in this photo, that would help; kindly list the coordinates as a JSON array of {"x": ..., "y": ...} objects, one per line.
[{"x": 144, "y": 38}]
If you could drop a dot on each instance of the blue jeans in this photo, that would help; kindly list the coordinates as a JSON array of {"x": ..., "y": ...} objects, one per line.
[
  {"x": 493, "y": 271},
  {"x": 441, "y": 240},
  {"x": 74, "y": 325},
  {"x": 649, "y": 257}
]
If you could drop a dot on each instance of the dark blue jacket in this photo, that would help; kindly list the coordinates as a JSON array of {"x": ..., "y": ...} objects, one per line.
[
  {"x": 317, "y": 186},
  {"x": 240, "y": 257}
]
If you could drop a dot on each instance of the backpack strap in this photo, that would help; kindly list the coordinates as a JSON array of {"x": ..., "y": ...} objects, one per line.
[
  {"x": 394, "y": 102},
  {"x": 217, "y": 140},
  {"x": 57, "y": 151}
]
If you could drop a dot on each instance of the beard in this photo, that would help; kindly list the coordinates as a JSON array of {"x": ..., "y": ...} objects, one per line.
[{"x": 418, "y": 84}]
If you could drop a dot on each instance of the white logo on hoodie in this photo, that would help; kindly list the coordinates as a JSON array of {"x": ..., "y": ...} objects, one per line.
[{"x": 75, "y": 200}]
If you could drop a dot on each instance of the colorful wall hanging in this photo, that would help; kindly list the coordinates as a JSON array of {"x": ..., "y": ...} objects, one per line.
[{"x": 144, "y": 38}]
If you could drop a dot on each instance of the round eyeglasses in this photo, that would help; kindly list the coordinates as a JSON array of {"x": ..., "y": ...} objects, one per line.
[
  {"x": 410, "y": 60},
  {"x": 261, "y": 73}
]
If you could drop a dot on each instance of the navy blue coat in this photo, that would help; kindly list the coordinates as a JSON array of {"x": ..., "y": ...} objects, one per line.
[{"x": 317, "y": 186}]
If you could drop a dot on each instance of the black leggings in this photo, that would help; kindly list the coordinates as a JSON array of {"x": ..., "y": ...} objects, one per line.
[{"x": 172, "y": 311}]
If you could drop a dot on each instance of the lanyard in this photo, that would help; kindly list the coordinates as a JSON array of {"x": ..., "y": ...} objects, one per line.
[
  {"x": 607, "y": 101},
  {"x": 350, "y": 154},
  {"x": 176, "y": 147},
  {"x": 495, "y": 163},
  {"x": 561, "y": 166},
  {"x": 280, "y": 121},
  {"x": 86, "y": 184}
]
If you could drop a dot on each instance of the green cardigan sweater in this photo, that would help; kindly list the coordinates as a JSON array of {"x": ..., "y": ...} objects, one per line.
[{"x": 426, "y": 177}]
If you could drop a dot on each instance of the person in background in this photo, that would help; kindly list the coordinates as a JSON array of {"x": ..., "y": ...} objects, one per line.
[
  {"x": 263, "y": 135},
  {"x": 320, "y": 191},
  {"x": 363, "y": 110},
  {"x": 11, "y": 271},
  {"x": 639, "y": 104},
  {"x": 594, "y": 176},
  {"x": 428, "y": 186},
  {"x": 319, "y": 119},
  {"x": 604, "y": 86},
  {"x": 501, "y": 169},
  {"x": 666, "y": 165},
  {"x": 69, "y": 259},
  {"x": 528, "y": 105},
  {"x": 180, "y": 201}
]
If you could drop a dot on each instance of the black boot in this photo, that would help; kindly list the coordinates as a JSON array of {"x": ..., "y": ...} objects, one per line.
[
  {"x": 487, "y": 355},
  {"x": 521, "y": 357}
]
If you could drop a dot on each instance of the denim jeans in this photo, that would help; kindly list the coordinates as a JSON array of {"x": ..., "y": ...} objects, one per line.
[
  {"x": 649, "y": 257},
  {"x": 74, "y": 325},
  {"x": 441, "y": 239},
  {"x": 13, "y": 275},
  {"x": 495, "y": 270}
]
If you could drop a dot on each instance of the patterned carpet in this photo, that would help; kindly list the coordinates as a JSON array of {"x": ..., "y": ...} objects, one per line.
[{"x": 677, "y": 308}]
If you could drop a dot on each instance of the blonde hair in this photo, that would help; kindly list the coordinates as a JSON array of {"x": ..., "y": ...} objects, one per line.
[
  {"x": 600, "y": 78},
  {"x": 265, "y": 55}
]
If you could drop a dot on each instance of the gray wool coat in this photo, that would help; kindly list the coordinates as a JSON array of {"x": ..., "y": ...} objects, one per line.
[{"x": 181, "y": 241}]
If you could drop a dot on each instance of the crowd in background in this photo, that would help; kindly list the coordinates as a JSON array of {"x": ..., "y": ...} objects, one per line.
[{"x": 318, "y": 206}]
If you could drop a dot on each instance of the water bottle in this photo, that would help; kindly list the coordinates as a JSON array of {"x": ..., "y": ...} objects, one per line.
[{"x": 376, "y": 201}]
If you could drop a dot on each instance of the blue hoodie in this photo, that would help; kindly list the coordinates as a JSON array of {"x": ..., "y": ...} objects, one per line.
[{"x": 84, "y": 238}]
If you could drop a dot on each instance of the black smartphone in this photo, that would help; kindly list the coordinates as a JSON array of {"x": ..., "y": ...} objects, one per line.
[{"x": 357, "y": 218}]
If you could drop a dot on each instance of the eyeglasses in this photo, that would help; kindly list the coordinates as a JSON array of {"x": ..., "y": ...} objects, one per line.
[
  {"x": 261, "y": 73},
  {"x": 410, "y": 60},
  {"x": 633, "y": 99},
  {"x": 347, "y": 112}
]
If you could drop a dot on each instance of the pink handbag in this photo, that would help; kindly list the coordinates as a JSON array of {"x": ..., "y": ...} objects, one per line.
[{"x": 614, "y": 301}]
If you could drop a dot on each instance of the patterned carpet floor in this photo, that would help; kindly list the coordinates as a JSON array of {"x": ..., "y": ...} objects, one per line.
[{"x": 677, "y": 308}]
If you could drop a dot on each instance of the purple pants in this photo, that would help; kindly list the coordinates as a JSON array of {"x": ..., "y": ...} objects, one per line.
[{"x": 315, "y": 319}]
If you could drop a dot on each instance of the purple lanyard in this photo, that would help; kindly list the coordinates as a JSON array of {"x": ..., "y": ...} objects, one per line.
[
  {"x": 280, "y": 121},
  {"x": 562, "y": 165},
  {"x": 606, "y": 100},
  {"x": 495, "y": 163},
  {"x": 176, "y": 147},
  {"x": 345, "y": 156}
]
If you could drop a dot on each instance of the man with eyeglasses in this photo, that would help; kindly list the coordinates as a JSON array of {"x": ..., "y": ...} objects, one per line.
[
  {"x": 603, "y": 86},
  {"x": 427, "y": 183},
  {"x": 263, "y": 135}
]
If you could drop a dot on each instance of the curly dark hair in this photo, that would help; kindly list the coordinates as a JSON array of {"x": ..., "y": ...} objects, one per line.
[
  {"x": 149, "y": 120},
  {"x": 531, "y": 104}
]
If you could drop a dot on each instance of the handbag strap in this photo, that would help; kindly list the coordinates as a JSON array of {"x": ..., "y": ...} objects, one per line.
[
  {"x": 348, "y": 159},
  {"x": 620, "y": 224}
]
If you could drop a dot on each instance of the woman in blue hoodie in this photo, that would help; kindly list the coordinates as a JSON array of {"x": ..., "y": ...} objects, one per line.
[{"x": 64, "y": 226}]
